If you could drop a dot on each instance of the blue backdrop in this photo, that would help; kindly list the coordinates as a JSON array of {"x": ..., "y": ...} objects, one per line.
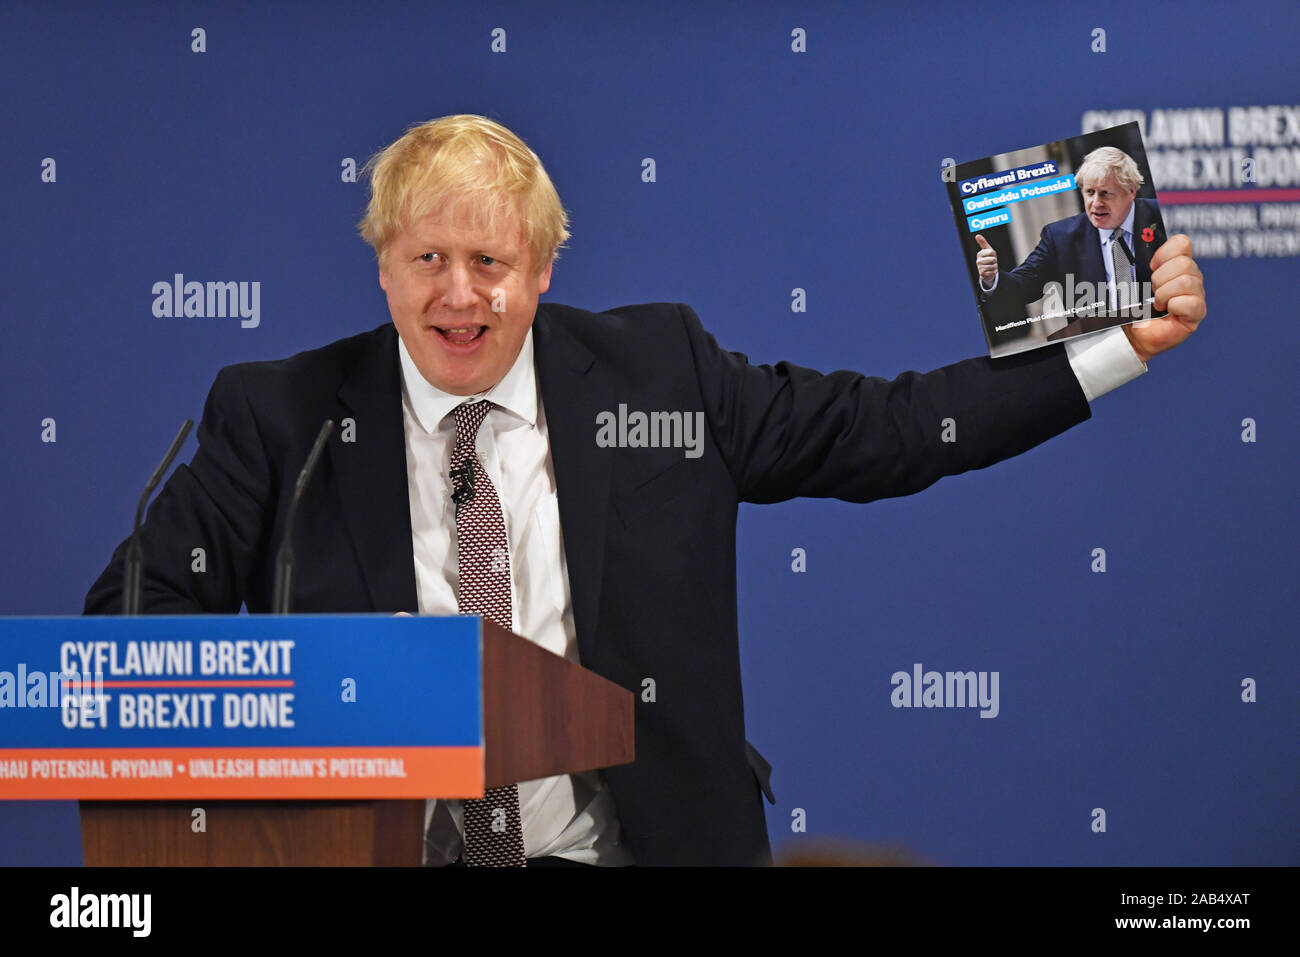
[{"x": 776, "y": 170}]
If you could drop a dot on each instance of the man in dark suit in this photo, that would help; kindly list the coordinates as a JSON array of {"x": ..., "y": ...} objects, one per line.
[
  {"x": 640, "y": 581},
  {"x": 1115, "y": 227}
]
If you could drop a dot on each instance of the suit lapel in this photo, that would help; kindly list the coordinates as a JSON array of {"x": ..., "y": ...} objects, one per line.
[
  {"x": 371, "y": 475},
  {"x": 574, "y": 388},
  {"x": 1143, "y": 218}
]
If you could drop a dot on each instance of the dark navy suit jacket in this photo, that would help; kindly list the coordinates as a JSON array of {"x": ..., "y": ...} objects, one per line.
[
  {"x": 650, "y": 535},
  {"x": 1074, "y": 246}
]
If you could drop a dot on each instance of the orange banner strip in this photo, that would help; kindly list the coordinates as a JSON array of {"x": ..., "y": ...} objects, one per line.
[{"x": 136, "y": 774}]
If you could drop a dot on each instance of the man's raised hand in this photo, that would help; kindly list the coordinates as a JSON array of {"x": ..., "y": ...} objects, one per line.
[
  {"x": 986, "y": 261},
  {"x": 1179, "y": 290}
]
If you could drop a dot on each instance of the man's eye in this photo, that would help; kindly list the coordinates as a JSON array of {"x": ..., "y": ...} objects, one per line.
[{"x": 428, "y": 258}]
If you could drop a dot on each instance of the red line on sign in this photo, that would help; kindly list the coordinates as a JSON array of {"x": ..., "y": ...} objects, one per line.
[
  {"x": 183, "y": 684},
  {"x": 1230, "y": 196}
]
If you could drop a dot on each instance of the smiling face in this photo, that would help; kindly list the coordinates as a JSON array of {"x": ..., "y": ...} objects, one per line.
[
  {"x": 462, "y": 296},
  {"x": 1106, "y": 204}
]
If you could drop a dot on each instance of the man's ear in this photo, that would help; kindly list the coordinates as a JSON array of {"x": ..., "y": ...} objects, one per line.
[
  {"x": 544, "y": 280},
  {"x": 383, "y": 276}
]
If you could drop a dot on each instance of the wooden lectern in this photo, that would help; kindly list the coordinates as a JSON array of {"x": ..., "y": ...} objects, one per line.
[{"x": 542, "y": 715}]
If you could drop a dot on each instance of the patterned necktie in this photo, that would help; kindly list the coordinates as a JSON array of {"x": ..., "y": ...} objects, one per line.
[
  {"x": 1125, "y": 287},
  {"x": 493, "y": 831}
]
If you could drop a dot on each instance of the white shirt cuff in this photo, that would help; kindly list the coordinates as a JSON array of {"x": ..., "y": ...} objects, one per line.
[
  {"x": 989, "y": 288},
  {"x": 1103, "y": 361}
]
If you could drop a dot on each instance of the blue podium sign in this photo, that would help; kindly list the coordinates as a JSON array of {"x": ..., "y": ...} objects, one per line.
[{"x": 298, "y": 706}]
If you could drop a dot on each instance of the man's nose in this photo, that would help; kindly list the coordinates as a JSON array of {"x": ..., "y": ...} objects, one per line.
[{"x": 459, "y": 293}]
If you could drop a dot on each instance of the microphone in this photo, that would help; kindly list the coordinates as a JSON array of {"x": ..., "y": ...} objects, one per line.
[
  {"x": 284, "y": 558},
  {"x": 134, "y": 565},
  {"x": 462, "y": 478}
]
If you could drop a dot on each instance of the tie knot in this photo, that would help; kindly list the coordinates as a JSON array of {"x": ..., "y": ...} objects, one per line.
[{"x": 469, "y": 416}]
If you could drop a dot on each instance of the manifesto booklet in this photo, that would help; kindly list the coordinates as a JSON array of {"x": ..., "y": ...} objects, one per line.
[{"x": 1058, "y": 239}]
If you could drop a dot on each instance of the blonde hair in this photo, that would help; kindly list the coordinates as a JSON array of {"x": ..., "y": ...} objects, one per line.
[
  {"x": 458, "y": 158},
  {"x": 1109, "y": 161}
]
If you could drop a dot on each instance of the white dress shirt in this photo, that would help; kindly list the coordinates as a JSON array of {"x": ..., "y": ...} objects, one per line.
[
  {"x": 571, "y": 816},
  {"x": 1107, "y": 236}
]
